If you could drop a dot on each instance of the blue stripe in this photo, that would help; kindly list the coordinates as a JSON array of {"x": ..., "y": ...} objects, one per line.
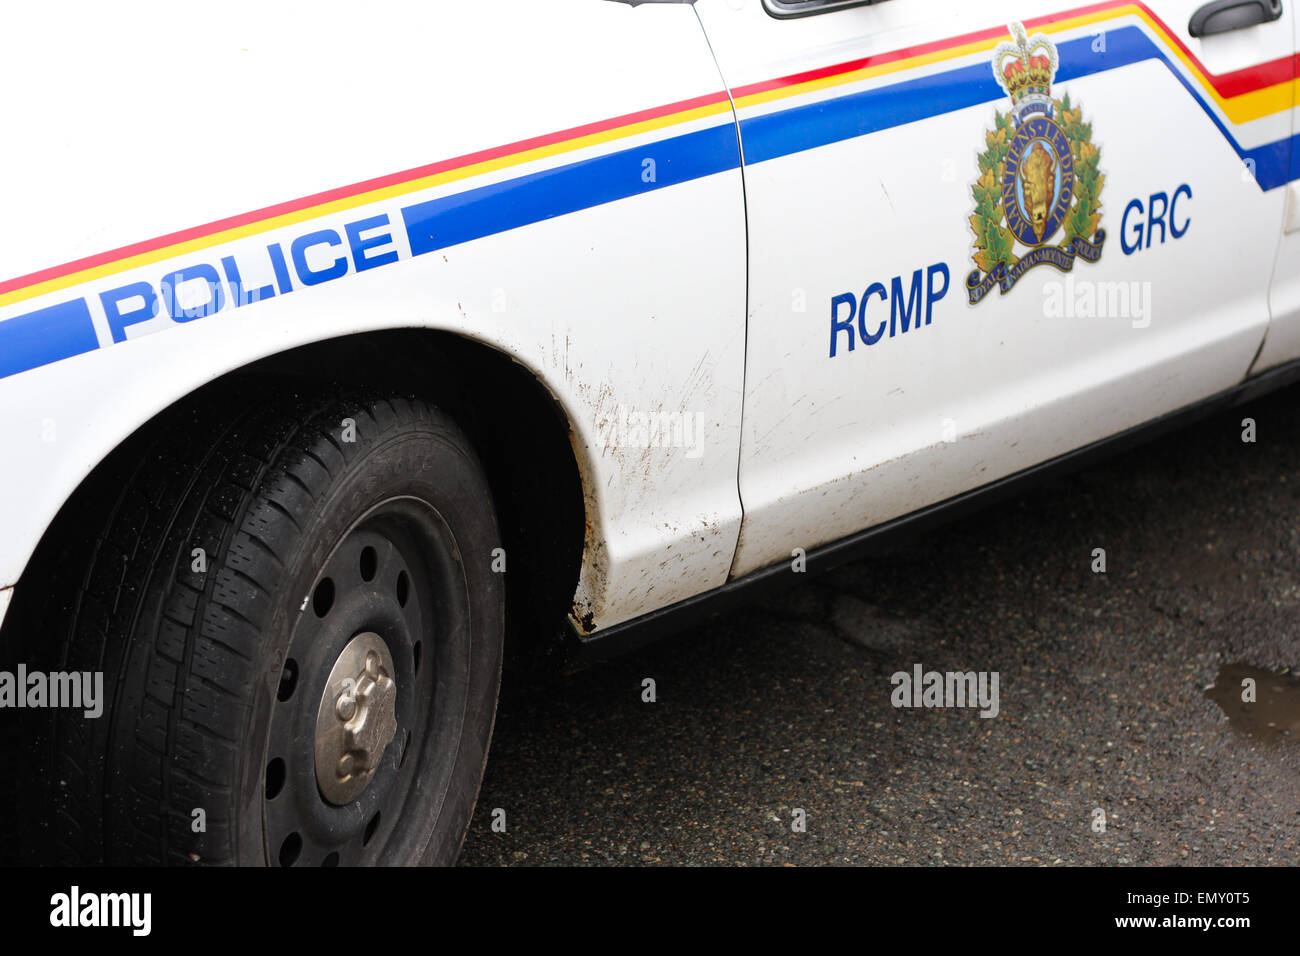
[
  {"x": 800, "y": 128},
  {"x": 44, "y": 336},
  {"x": 488, "y": 210},
  {"x": 859, "y": 114},
  {"x": 62, "y": 331}
]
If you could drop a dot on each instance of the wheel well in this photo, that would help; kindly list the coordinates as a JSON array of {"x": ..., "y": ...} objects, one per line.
[{"x": 518, "y": 429}]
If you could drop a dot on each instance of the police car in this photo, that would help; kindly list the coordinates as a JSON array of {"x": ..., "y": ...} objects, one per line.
[{"x": 338, "y": 342}]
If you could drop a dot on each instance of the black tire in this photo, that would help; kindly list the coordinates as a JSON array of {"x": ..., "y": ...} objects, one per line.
[{"x": 213, "y": 677}]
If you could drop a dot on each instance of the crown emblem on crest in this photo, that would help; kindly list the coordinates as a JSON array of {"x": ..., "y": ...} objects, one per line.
[{"x": 1025, "y": 68}]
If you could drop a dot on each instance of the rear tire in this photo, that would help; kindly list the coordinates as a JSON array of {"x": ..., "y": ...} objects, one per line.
[{"x": 248, "y": 543}]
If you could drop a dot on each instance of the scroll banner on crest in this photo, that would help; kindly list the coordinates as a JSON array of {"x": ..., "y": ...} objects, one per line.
[{"x": 977, "y": 286}]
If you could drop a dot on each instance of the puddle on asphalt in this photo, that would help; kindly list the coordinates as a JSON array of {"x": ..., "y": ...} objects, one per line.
[{"x": 1275, "y": 712}]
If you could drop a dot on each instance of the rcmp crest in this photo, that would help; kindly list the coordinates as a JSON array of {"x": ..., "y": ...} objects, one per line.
[{"x": 1038, "y": 197}]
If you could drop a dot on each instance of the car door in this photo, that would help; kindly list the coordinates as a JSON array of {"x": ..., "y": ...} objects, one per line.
[
  {"x": 983, "y": 235},
  {"x": 1282, "y": 344}
]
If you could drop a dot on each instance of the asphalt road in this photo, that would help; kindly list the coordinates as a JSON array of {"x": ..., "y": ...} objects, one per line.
[{"x": 1105, "y": 699}]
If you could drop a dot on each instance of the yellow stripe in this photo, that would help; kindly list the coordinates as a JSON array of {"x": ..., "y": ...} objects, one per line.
[
  {"x": 1238, "y": 109},
  {"x": 360, "y": 199}
]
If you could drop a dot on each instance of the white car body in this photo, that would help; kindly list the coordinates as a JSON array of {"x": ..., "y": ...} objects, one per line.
[{"x": 562, "y": 181}]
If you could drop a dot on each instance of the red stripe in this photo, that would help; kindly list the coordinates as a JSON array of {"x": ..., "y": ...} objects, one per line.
[
  {"x": 877, "y": 60},
  {"x": 1257, "y": 77},
  {"x": 343, "y": 192},
  {"x": 1246, "y": 80},
  {"x": 1227, "y": 85}
]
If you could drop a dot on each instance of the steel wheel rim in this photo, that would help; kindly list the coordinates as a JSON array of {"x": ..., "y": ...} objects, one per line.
[{"x": 394, "y": 574}]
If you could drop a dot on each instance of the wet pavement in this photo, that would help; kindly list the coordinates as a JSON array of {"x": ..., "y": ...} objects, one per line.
[{"x": 1121, "y": 735}]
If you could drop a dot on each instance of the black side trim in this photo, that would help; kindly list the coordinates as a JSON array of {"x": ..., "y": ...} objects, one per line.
[{"x": 620, "y": 638}]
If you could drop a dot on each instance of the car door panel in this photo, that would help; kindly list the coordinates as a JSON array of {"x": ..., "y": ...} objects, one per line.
[
  {"x": 877, "y": 380},
  {"x": 1282, "y": 343}
]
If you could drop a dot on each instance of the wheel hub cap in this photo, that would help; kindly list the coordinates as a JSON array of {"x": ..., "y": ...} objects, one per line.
[{"x": 357, "y": 718}]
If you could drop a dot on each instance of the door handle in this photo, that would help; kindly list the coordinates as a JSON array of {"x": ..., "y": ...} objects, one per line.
[{"x": 1220, "y": 16}]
